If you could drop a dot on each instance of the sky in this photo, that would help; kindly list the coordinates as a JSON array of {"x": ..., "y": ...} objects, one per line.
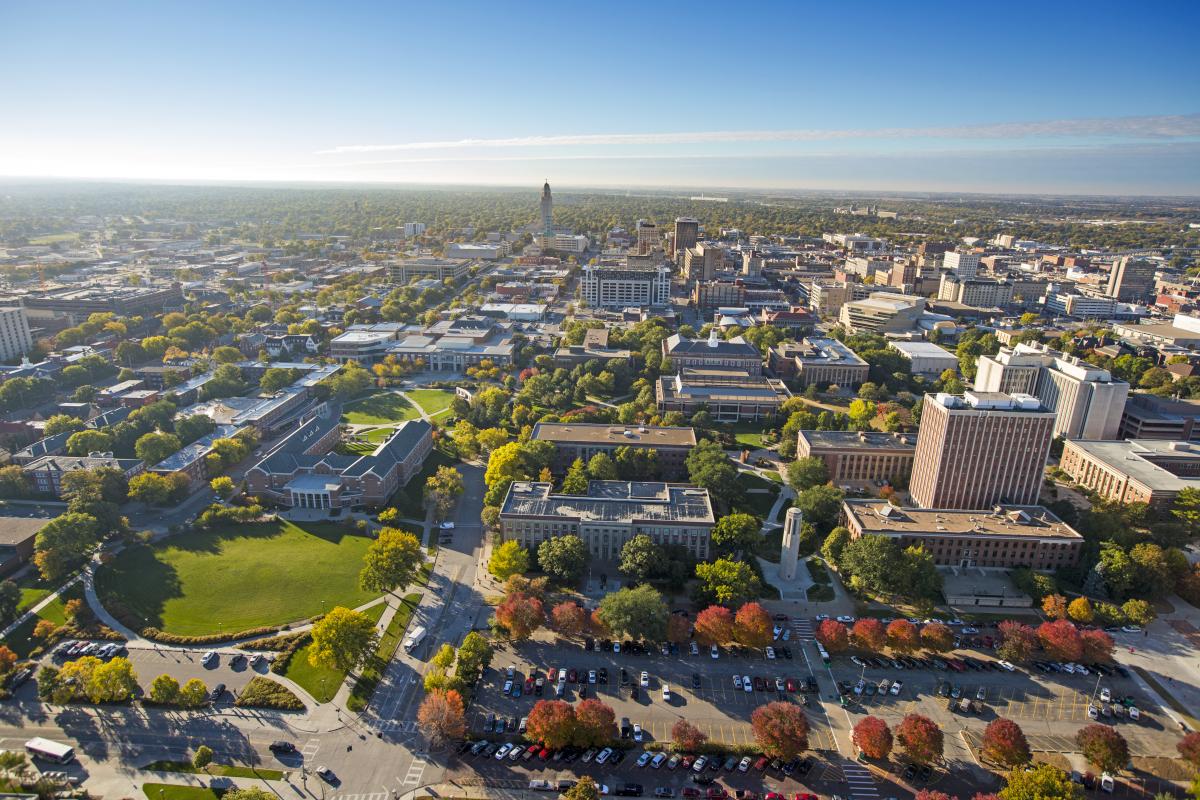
[{"x": 1047, "y": 97}]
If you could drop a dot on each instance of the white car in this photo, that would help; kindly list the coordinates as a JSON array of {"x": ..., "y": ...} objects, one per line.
[
  {"x": 744, "y": 764},
  {"x": 771, "y": 653},
  {"x": 603, "y": 755},
  {"x": 1134, "y": 714},
  {"x": 1093, "y": 712},
  {"x": 970, "y": 630},
  {"x": 591, "y": 676},
  {"x": 1081, "y": 669},
  {"x": 778, "y": 629},
  {"x": 858, "y": 687},
  {"x": 1105, "y": 696},
  {"x": 787, "y": 634},
  {"x": 1131, "y": 629},
  {"x": 644, "y": 759},
  {"x": 209, "y": 658},
  {"x": 845, "y": 619},
  {"x": 895, "y": 690},
  {"x": 503, "y": 751},
  {"x": 587, "y": 757},
  {"x": 658, "y": 761},
  {"x": 737, "y": 681},
  {"x": 616, "y": 647},
  {"x": 747, "y": 684},
  {"x": 637, "y": 732},
  {"x": 821, "y": 617},
  {"x": 1007, "y": 666},
  {"x": 666, "y": 693},
  {"x": 508, "y": 687},
  {"x": 714, "y": 652},
  {"x": 695, "y": 649},
  {"x": 645, "y": 680}
]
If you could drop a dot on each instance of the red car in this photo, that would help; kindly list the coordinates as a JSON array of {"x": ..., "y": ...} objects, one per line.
[
  {"x": 791, "y": 685},
  {"x": 570, "y": 676},
  {"x": 529, "y": 685},
  {"x": 543, "y": 754},
  {"x": 687, "y": 761},
  {"x": 775, "y": 796},
  {"x": 806, "y": 796},
  {"x": 760, "y": 765}
]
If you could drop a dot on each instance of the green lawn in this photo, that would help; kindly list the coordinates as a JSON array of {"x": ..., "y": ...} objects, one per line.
[
  {"x": 21, "y": 640},
  {"x": 54, "y": 238},
  {"x": 171, "y": 791},
  {"x": 223, "y": 770},
  {"x": 379, "y": 409},
  {"x": 410, "y": 498},
  {"x": 758, "y": 503},
  {"x": 33, "y": 590},
  {"x": 320, "y": 682},
  {"x": 434, "y": 401},
  {"x": 233, "y": 579},
  {"x": 364, "y": 687},
  {"x": 747, "y": 434}
]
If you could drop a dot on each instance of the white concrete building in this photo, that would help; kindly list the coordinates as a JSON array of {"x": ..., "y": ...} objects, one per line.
[
  {"x": 615, "y": 287},
  {"x": 927, "y": 359},
  {"x": 15, "y": 339}
]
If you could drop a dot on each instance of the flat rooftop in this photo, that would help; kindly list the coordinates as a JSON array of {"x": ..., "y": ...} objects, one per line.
[
  {"x": 15, "y": 530},
  {"x": 1132, "y": 457},
  {"x": 819, "y": 350},
  {"x": 923, "y": 350},
  {"x": 860, "y": 440},
  {"x": 612, "y": 501},
  {"x": 879, "y": 517},
  {"x": 643, "y": 435}
]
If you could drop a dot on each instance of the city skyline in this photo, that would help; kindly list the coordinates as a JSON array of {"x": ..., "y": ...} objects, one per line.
[{"x": 943, "y": 99}]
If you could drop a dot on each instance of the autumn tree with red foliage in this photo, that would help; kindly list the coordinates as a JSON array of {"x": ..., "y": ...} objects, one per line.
[
  {"x": 902, "y": 636},
  {"x": 780, "y": 729},
  {"x": 920, "y": 738},
  {"x": 934, "y": 794},
  {"x": 442, "y": 716},
  {"x": 570, "y": 618},
  {"x": 1017, "y": 641},
  {"x": 1189, "y": 749},
  {"x": 869, "y": 634},
  {"x": 1060, "y": 640},
  {"x": 833, "y": 635},
  {"x": 687, "y": 736},
  {"x": 597, "y": 625},
  {"x": 552, "y": 722},
  {"x": 1004, "y": 743},
  {"x": 752, "y": 626},
  {"x": 873, "y": 737},
  {"x": 1103, "y": 747},
  {"x": 679, "y": 628},
  {"x": 520, "y": 615},
  {"x": 595, "y": 723},
  {"x": 937, "y": 637},
  {"x": 714, "y": 625},
  {"x": 1096, "y": 645}
]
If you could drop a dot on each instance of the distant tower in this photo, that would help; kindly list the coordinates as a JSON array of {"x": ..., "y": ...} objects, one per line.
[
  {"x": 789, "y": 553},
  {"x": 547, "y": 210}
]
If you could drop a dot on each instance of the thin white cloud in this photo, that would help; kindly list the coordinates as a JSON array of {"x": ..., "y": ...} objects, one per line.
[{"x": 1176, "y": 126}]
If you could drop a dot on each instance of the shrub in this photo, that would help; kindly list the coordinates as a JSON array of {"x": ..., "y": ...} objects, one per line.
[{"x": 263, "y": 692}]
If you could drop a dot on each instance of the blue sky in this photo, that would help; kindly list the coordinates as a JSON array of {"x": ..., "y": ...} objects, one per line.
[{"x": 1042, "y": 97}]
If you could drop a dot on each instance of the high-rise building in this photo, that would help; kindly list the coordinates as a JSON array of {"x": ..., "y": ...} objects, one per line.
[
  {"x": 15, "y": 339},
  {"x": 647, "y": 236},
  {"x": 1131, "y": 279},
  {"x": 980, "y": 449},
  {"x": 616, "y": 287},
  {"x": 547, "y": 210},
  {"x": 701, "y": 262},
  {"x": 687, "y": 233},
  {"x": 965, "y": 265},
  {"x": 1086, "y": 400}
]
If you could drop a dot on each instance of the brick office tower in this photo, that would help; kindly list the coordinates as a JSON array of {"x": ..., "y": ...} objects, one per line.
[{"x": 980, "y": 449}]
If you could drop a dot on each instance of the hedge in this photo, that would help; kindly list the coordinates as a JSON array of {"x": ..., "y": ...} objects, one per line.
[{"x": 263, "y": 692}]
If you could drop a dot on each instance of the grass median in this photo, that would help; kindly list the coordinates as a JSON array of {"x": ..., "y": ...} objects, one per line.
[{"x": 372, "y": 672}]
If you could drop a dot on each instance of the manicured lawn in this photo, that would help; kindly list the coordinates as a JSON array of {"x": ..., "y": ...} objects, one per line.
[
  {"x": 364, "y": 687},
  {"x": 757, "y": 502},
  {"x": 434, "y": 401},
  {"x": 410, "y": 498},
  {"x": 33, "y": 590},
  {"x": 171, "y": 791},
  {"x": 320, "y": 682},
  {"x": 21, "y": 640},
  {"x": 747, "y": 434},
  {"x": 379, "y": 409},
  {"x": 233, "y": 579},
  {"x": 224, "y": 770}
]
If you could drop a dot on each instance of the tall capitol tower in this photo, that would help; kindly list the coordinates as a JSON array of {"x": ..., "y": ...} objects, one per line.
[{"x": 547, "y": 210}]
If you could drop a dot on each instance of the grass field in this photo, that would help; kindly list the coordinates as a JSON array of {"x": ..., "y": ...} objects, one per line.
[
  {"x": 747, "y": 434},
  {"x": 233, "y": 579},
  {"x": 21, "y": 640},
  {"x": 33, "y": 590},
  {"x": 171, "y": 791},
  {"x": 320, "y": 682},
  {"x": 434, "y": 401},
  {"x": 54, "y": 238},
  {"x": 410, "y": 498},
  {"x": 379, "y": 409},
  {"x": 758, "y": 503}
]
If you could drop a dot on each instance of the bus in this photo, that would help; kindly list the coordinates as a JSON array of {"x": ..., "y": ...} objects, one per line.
[
  {"x": 414, "y": 638},
  {"x": 49, "y": 751}
]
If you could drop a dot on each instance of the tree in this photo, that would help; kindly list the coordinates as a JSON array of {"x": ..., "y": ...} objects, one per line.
[
  {"x": 193, "y": 694},
  {"x": 780, "y": 729},
  {"x": 392, "y": 561},
  {"x": 640, "y": 612},
  {"x": 7, "y": 658},
  {"x": 1054, "y": 606},
  {"x": 164, "y": 690},
  {"x": 89, "y": 441},
  {"x": 1043, "y": 782},
  {"x": 569, "y": 617},
  {"x": 873, "y": 737},
  {"x": 687, "y": 737},
  {"x": 821, "y": 505},
  {"x": 508, "y": 559},
  {"x": 223, "y": 487},
  {"x": 442, "y": 717},
  {"x": 1004, "y": 743},
  {"x": 341, "y": 639},
  {"x": 601, "y": 468},
  {"x": 62, "y": 423},
  {"x": 832, "y": 634},
  {"x": 805, "y": 473},
  {"x": 920, "y": 738},
  {"x": 585, "y": 789},
  {"x": 1103, "y": 747},
  {"x": 521, "y": 615},
  {"x": 736, "y": 532},
  {"x": 474, "y": 655},
  {"x": 491, "y": 438},
  {"x": 576, "y": 481},
  {"x": 63, "y": 543},
  {"x": 873, "y": 562},
  {"x": 679, "y": 629},
  {"x": 714, "y": 625},
  {"x": 595, "y": 723},
  {"x": 150, "y": 488},
  {"x": 1060, "y": 640},
  {"x": 551, "y": 722},
  {"x": 902, "y": 636},
  {"x": 752, "y": 626},
  {"x": 641, "y": 557},
  {"x": 937, "y": 637},
  {"x": 1080, "y": 610},
  {"x": 727, "y": 581},
  {"x": 709, "y": 468},
  {"x": 1189, "y": 749},
  {"x": 1096, "y": 646},
  {"x": 13, "y": 482},
  {"x": 1187, "y": 509},
  {"x": 834, "y": 544},
  {"x": 44, "y": 629},
  {"x": 442, "y": 490},
  {"x": 1017, "y": 641},
  {"x": 868, "y": 633},
  {"x": 10, "y": 599},
  {"x": 563, "y": 558},
  {"x": 202, "y": 757},
  {"x": 155, "y": 447}
]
